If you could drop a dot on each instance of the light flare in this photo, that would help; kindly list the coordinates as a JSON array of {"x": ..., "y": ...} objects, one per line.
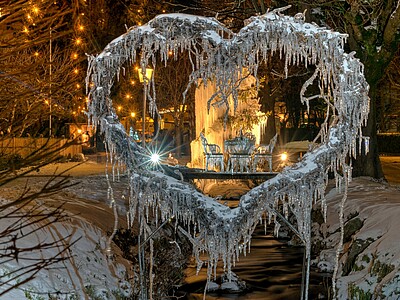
[
  {"x": 155, "y": 158},
  {"x": 284, "y": 156}
]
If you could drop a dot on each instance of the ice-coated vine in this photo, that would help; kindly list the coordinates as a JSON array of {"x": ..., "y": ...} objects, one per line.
[{"x": 219, "y": 55}]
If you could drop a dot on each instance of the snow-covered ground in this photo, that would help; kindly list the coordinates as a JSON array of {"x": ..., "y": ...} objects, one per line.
[
  {"x": 369, "y": 268},
  {"x": 371, "y": 261},
  {"x": 90, "y": 272}
]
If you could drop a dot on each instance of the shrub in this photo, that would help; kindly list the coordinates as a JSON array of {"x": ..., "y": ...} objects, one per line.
[{"x": 389, "y": 143}]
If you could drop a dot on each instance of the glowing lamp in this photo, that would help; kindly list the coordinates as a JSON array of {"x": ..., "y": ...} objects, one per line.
[
  {"x": 284, "y": 156},
  {"x": 155, "y": 158},
  {"x": 146, "y": 76}
]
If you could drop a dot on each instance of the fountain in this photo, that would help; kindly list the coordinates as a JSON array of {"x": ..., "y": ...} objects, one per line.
[{"x": 211, "y": 122}]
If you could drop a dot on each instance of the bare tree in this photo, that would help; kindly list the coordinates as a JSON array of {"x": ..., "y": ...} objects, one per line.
[
  {"x": 171, "y": 84},
  {"x": 37, "y": 79},
  {"x": 373, "y": 33},
  {"x": 40, "y": 73}
]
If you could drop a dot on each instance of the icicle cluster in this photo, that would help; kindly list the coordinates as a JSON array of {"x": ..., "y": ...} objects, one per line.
[{"x": 220, "y": 55}]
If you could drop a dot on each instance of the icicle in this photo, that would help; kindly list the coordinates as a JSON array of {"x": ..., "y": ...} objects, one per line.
[{"x": 366, "y": 145}]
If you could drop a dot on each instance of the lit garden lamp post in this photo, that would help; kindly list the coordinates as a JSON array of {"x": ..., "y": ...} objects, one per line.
[{"x": 144, "y": 77}]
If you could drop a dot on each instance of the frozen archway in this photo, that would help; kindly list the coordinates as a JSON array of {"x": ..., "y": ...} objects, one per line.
[{"x": 220, "y": 55}]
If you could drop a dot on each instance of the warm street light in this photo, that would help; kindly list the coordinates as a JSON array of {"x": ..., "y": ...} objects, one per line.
[
  {"x": 182, "y": 107},
  {"x": 147, "y": 75},
  {"x": 144, "y": 77}
]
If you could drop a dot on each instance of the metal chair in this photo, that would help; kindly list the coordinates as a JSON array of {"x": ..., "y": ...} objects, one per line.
[
  {"x": 263, "y": 154},
  {"x": 213, "y": 155}
]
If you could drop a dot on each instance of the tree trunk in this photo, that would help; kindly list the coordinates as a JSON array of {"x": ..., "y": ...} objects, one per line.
[
  {"x": 178, "y": 137},
  {"x": 268, "y": 107},
  {"x": 370, "y": 165},
  {"x": 376, "y": 60}
]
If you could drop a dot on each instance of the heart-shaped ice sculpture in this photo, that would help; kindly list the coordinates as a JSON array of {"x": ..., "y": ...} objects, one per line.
[{"x": 220, "y": 55}]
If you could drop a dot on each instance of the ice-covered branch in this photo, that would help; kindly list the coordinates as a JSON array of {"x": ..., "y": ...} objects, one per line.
[{"x": 219, "y": 55}]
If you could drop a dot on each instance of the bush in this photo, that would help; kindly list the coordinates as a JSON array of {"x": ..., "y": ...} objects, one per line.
[
  {"x": 11, "y": 161},
  {"x": 389, "y": 143}
]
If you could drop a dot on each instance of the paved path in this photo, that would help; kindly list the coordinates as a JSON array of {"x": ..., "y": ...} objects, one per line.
[{"x": 391, "y": 168}]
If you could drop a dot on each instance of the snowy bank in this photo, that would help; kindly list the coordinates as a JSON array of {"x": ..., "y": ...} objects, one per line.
[
  {"x": 369, "y": 267},
  {"x": 74, "y": 242},
  {"x": 86, "y": 271}
]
